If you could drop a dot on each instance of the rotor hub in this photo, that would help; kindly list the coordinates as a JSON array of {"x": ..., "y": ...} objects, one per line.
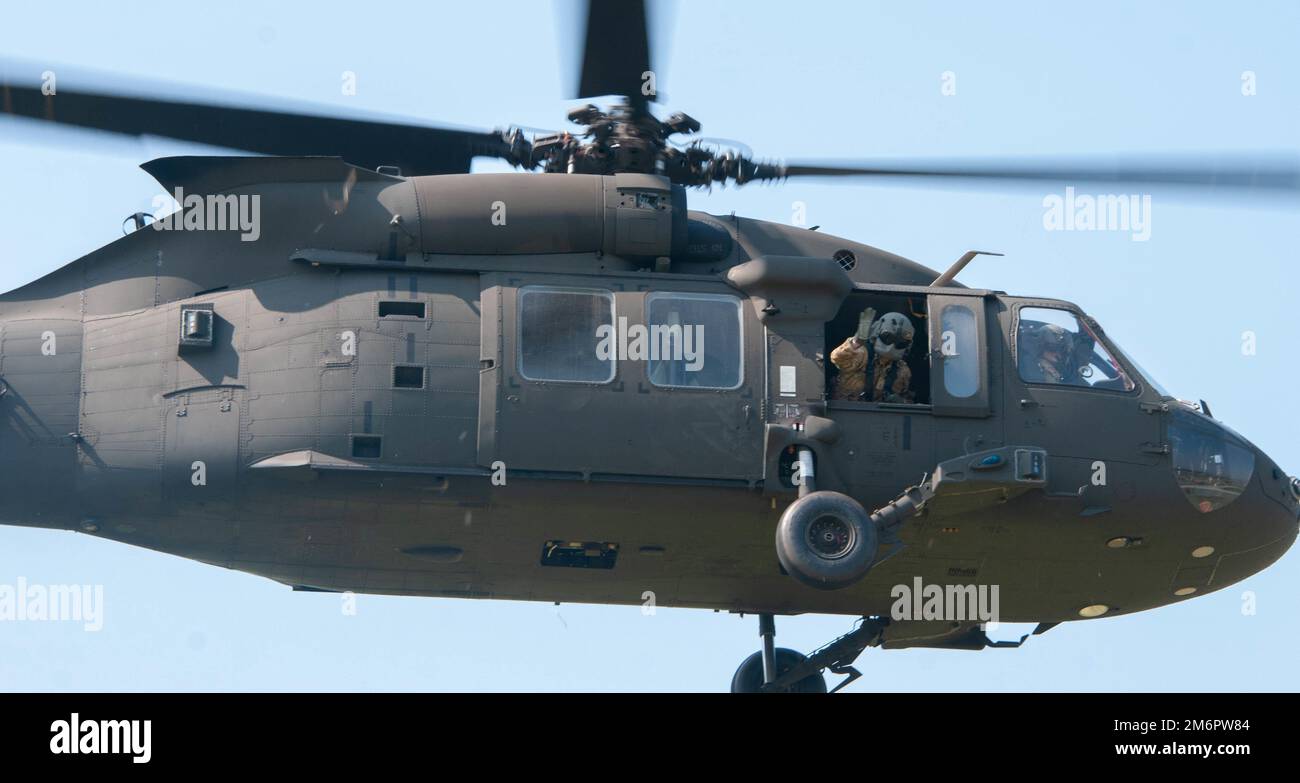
[{"x": 628, "y": 139}]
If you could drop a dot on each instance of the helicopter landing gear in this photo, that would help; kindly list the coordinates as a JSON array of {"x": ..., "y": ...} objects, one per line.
[
  {"x": 826, "y": 540},
  {"x": 780, "y": 670},
  {"x": 771, "y": 663}
]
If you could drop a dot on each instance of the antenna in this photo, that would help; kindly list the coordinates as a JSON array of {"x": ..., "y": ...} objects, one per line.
[{"x": 960, "y": 264}]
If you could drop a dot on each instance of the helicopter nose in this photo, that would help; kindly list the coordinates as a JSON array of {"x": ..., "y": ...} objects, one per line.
[
  {"x": 1263, "y": 526},
  {"x": 1250, "y": 505},
  {"x": 1277, "y": 516}
]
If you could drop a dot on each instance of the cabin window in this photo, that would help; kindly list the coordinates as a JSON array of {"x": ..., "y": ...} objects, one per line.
[
  {"x": 959, "y": 336},
  {"x": 694, "y": 340},
  {"x": 367, "y": 446},
  {"x": 407, "y": 376},
  {"x": 1054, "y": 347},
  {"x": 388, "y": 309},
  {"x": 559, "y": 330}
]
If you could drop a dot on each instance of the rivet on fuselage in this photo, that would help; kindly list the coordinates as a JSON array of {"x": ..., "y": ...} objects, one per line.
[
  {"x": 1203, "y": 551},
  {"x": 1185, "y": 591}
]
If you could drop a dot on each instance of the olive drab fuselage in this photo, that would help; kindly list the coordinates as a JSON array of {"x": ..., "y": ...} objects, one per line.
[{"x": 369, "y": 397}]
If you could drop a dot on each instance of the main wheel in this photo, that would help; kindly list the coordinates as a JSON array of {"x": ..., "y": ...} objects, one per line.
[
  {"x": 826, "y": 540},
  {"x": 749, "y": 677}
]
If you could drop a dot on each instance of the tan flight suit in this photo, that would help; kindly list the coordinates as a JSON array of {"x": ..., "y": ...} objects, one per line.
[{"x": 851, "y": 359}]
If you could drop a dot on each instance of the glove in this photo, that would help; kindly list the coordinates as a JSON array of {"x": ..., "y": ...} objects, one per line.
[{"x": 864, "y": 324}]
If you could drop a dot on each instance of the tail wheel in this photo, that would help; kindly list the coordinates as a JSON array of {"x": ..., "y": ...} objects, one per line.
[
  {"x": 749, "y": 677},
  {"x": 826, "y": 540}
]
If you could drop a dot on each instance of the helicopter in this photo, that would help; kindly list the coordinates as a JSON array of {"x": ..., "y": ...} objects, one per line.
[{"x": 348, "y": 364}]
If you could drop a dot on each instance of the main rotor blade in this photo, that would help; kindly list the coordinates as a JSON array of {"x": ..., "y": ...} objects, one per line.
[
  {"x": 1273, "y": 171},
  {"x": 415, "y": 149},
  {"x": 616, "y": 51}
]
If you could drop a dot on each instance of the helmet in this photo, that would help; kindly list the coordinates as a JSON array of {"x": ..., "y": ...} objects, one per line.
[
  {"x": 892, "y": 334},
  {"x": 1044, "y": 338}
]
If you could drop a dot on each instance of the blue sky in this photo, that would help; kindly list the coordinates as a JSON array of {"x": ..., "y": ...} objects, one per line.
[{"x": 831, "y": 80}]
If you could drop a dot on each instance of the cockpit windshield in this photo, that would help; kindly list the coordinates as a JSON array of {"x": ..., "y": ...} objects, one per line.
[
  {"x": 1054, "y": 347},
  {"x": 1142, "y": 371}
]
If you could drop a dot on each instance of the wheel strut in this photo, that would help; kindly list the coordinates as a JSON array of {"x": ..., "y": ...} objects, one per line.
[
  {"x": 767, "y": 630},
  {"x": 838, "y": 656}
]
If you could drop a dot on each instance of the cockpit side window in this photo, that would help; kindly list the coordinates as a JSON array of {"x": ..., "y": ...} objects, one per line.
[{"x": 1054, "y": 347}]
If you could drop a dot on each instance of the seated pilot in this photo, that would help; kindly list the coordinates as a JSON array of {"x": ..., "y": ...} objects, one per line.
[
  {"x": 870, "y": 362},
  {"x": 1047, "y": 354}
]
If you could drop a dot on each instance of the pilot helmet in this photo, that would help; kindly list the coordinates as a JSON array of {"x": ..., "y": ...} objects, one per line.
[{"x": 1053, "y": 338}]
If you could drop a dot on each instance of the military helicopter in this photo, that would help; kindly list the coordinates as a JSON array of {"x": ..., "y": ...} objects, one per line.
[{"x": 348, "y": 364}]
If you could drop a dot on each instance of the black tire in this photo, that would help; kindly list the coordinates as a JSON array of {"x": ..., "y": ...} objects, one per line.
[
  {"x": 749, "y": 676},
  {"x": 826, "y": 540}
]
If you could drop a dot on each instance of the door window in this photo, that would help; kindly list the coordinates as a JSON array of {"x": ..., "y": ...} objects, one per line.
[
  {"x": 559, "y": 329},
  {"x": 694, "y": 340},
  {"x": 959, "y": 346}
]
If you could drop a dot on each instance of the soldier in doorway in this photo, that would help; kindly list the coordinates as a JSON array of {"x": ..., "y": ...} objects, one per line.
[{"x": 871, "y": 362}]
